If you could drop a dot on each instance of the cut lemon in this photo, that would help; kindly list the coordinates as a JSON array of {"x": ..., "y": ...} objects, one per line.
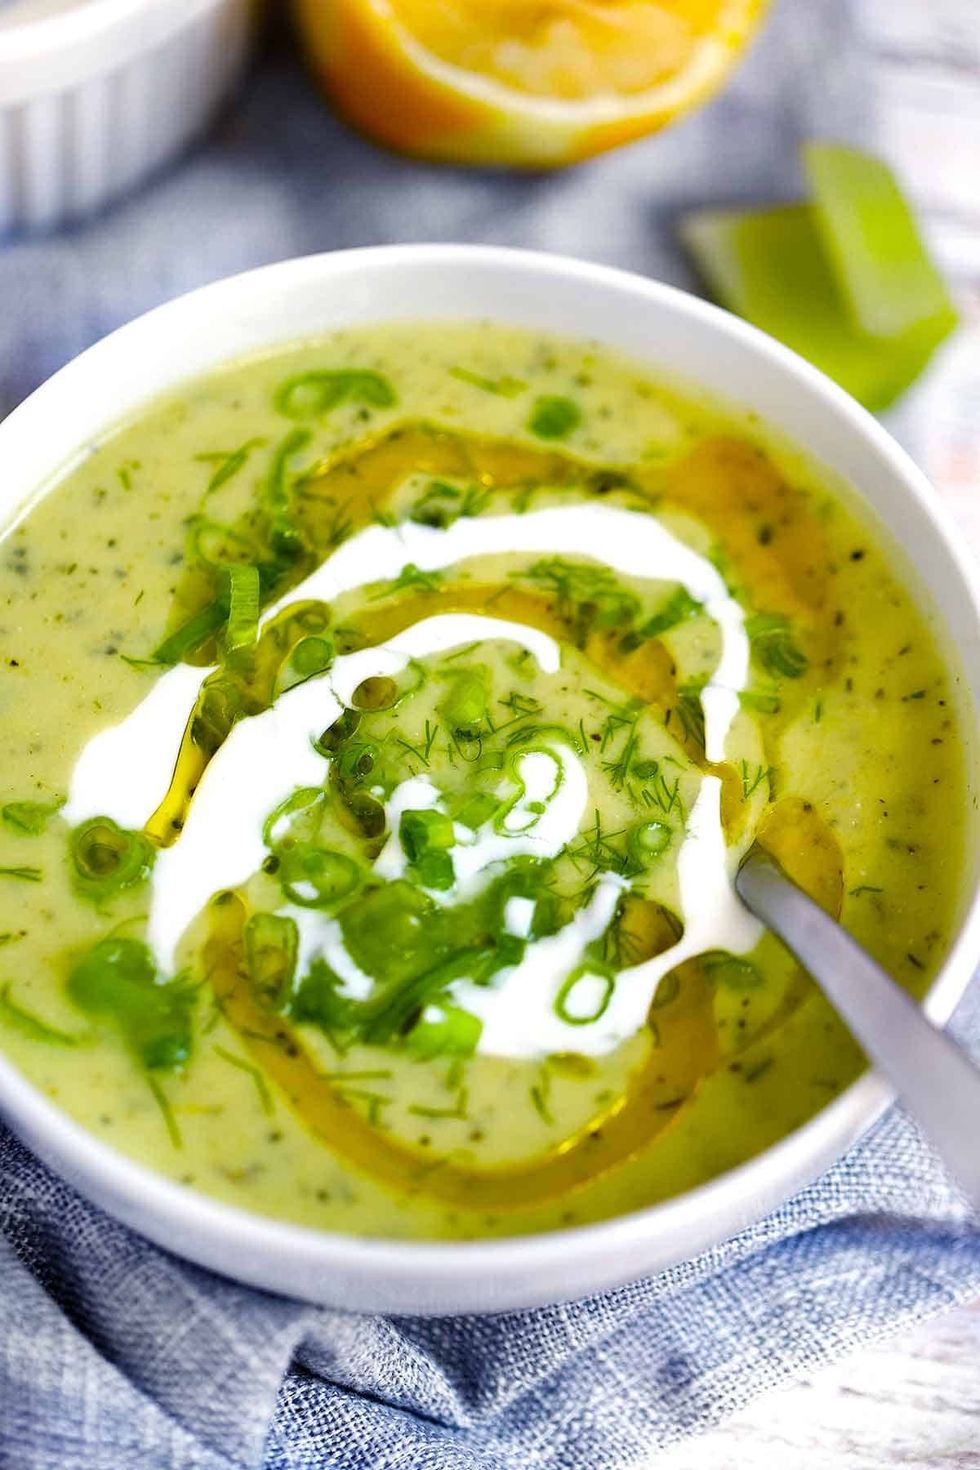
[{"x": 531, "y": 83}]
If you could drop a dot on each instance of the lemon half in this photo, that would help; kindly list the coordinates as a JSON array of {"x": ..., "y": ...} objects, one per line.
[{"x": 527, "y": 83}]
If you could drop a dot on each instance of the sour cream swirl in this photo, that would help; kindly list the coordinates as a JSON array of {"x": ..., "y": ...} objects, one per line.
[{"x": 123, "y": 771}]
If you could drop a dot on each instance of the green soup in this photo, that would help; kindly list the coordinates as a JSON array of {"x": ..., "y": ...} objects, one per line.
[{"x": 382, "y": 723}]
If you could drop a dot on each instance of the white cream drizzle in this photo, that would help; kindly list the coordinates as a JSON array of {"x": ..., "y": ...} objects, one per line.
[
  {"x": 555, "y": 777},
  {"x": 266, "y": 756},
  {"x": 518, "y": 1014},
  {"x": 519, "y": 1019},
  {"x": 631, "y": 542},
  {"x": 123, "y": 773}
]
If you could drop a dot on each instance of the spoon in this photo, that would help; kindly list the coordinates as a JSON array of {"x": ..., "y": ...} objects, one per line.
[{"x": 932, "y": 1077}]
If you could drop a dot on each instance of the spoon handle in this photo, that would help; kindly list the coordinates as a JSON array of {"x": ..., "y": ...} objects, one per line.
[{"x": 933, "y": 1078}]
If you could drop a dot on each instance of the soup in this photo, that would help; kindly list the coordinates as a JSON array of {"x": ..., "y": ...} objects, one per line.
[{"x": 383, "y": 722}]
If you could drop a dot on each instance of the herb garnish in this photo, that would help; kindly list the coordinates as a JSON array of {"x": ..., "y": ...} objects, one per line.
[
  {"x": 228, "y": 462},
  {"x": 314, "y": 394},
  {"x": 32, "y": 1026},
  {"x": 753, "y": 777},
  {"x": 554, "y": 417},
  {"x": 107, "y": 859},
  {"x": 117, "y": 979},
  {"x": 679, "y": 608},
  {"x": 441, "y": 504},
  {"x": 505, "y": 387},
  {"x": 772, "y": 643},
  {"x": 30, "y": 817},
  {"x": 410, "y": 579},
  {"x": 259, "y": 1082}
]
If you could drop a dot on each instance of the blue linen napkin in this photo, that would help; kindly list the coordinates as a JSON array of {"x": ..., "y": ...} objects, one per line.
[{"x": 116, "y": 1356}]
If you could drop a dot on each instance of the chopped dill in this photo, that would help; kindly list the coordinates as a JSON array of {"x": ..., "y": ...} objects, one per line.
[
  {"x": 689, "y": 712},
  {"x": 540, "y": 1094},
  {"x": 259, "y": 1082},
  {"x": 863, "y": 888},
  {"x": 410, "y": 579},
  {"x": 520, "y": 707},
  {"x": 627, "y": 764},
  {"x": 26, "y": 875},
  {"x": 423, "y": 751},
  {"x": 441, "y": 503},
  {"x": 753, "y": 777},
  {"x": 375, "y": 1100},
  {"x": 167, "y": 1112},
  {"x": 458, "y": 1109},
  {"x": 505, "y": 387},
  {"x": 463, "y": 652},
  {"x": 598, "y": 851},
  {"x": 679, "y": 608},
  {"x": 587, "y": 597},
  {"x": 663, "y": 794},
  {"x": 30, "y": 1025},
  {"x": 339, "y": 525},
  {"x": 227, "y": 462}
]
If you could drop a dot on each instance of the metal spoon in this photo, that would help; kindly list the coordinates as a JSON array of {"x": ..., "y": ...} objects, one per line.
[{"x": 932, "y": 1077}]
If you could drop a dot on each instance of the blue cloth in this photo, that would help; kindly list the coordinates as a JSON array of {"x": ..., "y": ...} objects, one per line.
[{"x": 116, "y": 1356}]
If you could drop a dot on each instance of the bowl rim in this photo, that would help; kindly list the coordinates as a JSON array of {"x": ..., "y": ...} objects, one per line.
[
  {"x": 78, "y": 19},
  {"x": 42, "y": 54},
  {"x": 135, "y": 1189}
]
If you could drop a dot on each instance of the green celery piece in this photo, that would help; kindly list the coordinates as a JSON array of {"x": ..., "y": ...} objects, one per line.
[
  {"x": 873, "y": 243},
  {"x": 770, "y": 267}
]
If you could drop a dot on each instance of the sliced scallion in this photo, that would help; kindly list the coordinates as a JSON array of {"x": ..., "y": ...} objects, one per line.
[
  {"x": 448, "y": 1032},
  {"x": 554, "y": 417},
  {"x": 243, "y": 607},
  {"x": 187, "y": 638},
  {"x": 296, "y": 818},
  {"x": 271, "y": 948},
  {"x": 584, "y": 995},
  {"x": 107, "y": 859},
  {"x": 650, "y": 840},
  {"x": 316, "y": 877},
  {"x": 313, "y": 394}
]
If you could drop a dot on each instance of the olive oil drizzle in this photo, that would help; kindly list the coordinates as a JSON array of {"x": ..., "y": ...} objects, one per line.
[
  {"x": 591, "y": 612},
  {"x": 654, "y": 1098}
]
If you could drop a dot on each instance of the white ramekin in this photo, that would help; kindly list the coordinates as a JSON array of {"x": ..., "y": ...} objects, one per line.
[
  {"x": 676, "y": 334},
  {"x": 96, "y": 94}
]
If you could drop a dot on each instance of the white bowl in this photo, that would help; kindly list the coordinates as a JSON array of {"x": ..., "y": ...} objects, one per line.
[
  {"x": 97, "y": 94},
  {"x": 675, "y": 334}
]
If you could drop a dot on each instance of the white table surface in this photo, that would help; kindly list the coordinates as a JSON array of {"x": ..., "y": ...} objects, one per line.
[{"x": 911, "y": 1402}]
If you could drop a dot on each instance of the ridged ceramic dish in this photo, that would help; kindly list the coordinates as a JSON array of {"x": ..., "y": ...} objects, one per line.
[{"x": 96, "y": 94}]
